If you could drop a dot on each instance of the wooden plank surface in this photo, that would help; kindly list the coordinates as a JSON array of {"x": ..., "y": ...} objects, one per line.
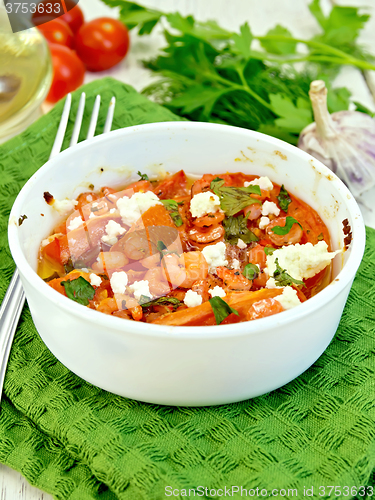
[{"x": 261, "y": 16}]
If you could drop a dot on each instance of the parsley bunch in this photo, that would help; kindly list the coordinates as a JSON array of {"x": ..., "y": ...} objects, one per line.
[{"x": 211, "y": 74}]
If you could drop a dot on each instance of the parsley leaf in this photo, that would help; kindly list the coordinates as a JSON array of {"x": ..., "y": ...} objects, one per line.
[
  {"x": 221, "y": 309},
  {"x": 163, "y": 249},
  {"x": 282, "y": 278},
  {"x": 143, "y": 177},
  {"x": 293, "y": 117},
  {"x": 276, "y": 47},
  {"x": 236, "y": 227},
  {"x": 162, "y": 301},
  {"x": 251, "y": 271},
  {"x": 269, "y": 250},
  {"x": 284, "y": 199},
  {"x": 234, "y": 199},
  {"x": 79, "y": 290},
  {"x": 289, "y": 222},
  {"x": 172, "y": 207}
]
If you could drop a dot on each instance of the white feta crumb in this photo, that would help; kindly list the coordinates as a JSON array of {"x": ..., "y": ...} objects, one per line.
[
  {"x": 112, "y": 211},
  {"x": 132, "y": 208},
  {"x": 113, "y": 229},
  {"x": 241, "y": 244},
  {"x": 301, "y": 261},
  {"x": 289, "y": 298},
  {"x": 95, "y": 280},
  {"x": 192, "y": 299},
  {"x": 204, "y": 203},
  {"x": 271, "y": 283},
  {"x": 215, "y": 255},
  {"x": 64, "y": 206},
  {"x": 263, "y": 182},
  {"x": 89, "y": 197},
  {"x": 92, "y": 215},
  {"x": 236, "y": 264},
  {"x": 217, "y": 291},
  {"x": 74, "y": 223},
  {"x": 263, "y": 223},
  {"x": 119, "y": 280},
  {"x": 270, "y": 208},
  {"x": 140, "y": 288}
]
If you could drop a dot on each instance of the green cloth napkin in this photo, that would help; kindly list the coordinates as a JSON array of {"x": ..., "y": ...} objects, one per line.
[{"x": 79, "y": 442}]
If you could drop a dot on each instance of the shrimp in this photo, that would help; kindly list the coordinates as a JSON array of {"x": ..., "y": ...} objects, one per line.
[
  {"x": 187, "y": 269},
  {"x": 157, "y": 282},
  {"x": 209, "y": 219},
  {"x": 263, "y": 308},
  {"x": 109, "y": 260},
  {"x": 257, "y": 256},
  {"x": 203, "y": 235},
  {"x": 202, "y": 184},
  {"x": 255, "y": 210},
  {"x": 233, "y": 280},
  {"x": 294, "y": 235}
]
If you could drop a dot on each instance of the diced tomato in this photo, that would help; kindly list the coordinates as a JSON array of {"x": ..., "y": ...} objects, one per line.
[
  {"x": 172, "y": 187},
  {"x": 52, "y": 250}
]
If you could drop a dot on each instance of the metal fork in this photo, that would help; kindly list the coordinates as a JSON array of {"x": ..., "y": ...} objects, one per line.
[{"x": 14, "y": 299}]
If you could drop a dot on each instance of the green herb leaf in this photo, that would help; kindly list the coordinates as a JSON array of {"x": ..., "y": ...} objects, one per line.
[
  {"x": 161, "y": 301},
  {"x": 289, "y": 222},
  {"x": 251, "y": 271},
  {"x": 234, "y": 199},
  {"x": 79, "y": 290},
  {"x": 163, "y": 249},
  {"x": 172, "y": 207},
  {"x": 143, "y": 177},
  {"x": 242, "y": 42},
  {"x": 221, "y": 309},
  {"x": 277, "y": 47},
  {"x": 293, "y": 117},
  {"x": 282, "y": 278},
  {"x": 284, "y": 199},
  {"x": 236, "y": 227},
  {"x": 269, "y": 250}
]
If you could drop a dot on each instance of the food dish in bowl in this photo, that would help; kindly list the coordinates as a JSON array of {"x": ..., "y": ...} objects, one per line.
[
  {"x": 185, "y": 365},
  {"x": 213, "y": 245}
]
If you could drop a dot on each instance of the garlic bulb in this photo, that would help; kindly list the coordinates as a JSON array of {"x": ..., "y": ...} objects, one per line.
[{"x": 343, "y": 141}]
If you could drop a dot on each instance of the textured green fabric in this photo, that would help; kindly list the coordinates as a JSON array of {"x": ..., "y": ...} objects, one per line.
[{"x": 78, "y": 442}]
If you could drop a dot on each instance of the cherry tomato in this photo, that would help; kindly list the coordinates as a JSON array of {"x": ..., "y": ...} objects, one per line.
[
  {"x": 57, "y": 31},
  {"x": 102, "y": 43},
  {"x": 68, "y": 72},
  {"x": 47, "y": 11},
  {"x": 74, "y": 17}
]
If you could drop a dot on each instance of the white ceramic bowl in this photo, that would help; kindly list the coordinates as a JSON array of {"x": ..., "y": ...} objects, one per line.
[{"x": 191, "y": 366}]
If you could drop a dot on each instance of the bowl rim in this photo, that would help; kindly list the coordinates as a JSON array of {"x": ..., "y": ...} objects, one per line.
[{"x": 116, "y": 325}]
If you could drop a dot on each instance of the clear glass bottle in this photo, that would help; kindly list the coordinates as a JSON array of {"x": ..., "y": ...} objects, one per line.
[{"x": 25, "y": 76}]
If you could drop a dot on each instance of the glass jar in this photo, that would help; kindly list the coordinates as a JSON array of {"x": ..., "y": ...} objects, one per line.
[{"x": 25, "y": 76}]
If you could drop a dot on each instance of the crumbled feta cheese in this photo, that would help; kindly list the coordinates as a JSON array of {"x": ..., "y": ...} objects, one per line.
[
  {"x": 64, "y": 206},
  {"x": 119, "y": 280},
  {"x": 263, "y": 223},
  {"x": 236, "y": 264},
  {"x": 217, "y": 291},
  {"x": 263, "y": 182},
  {"x": 289, "y": 298},
  {"x": 89, "y": 197},
  {"x": 112, "y": 196},
  {"x": 92, "y": 215},
  {"x": 271, "y": 283},
  {"x": 192, "y": 299},
  {"x": 204, "y": 203},
  {"x": 95, "y": 280},
  {"x": 140, "y": 288},
  {"x": 215, "y": 255},
  {"x": 74, "y": 223},
  {"x": 270, "y": 208},
  {"x": 112, "y": 211},
  {"x": 113, "y": 229},
  {"x": 241, "y": 244},
  {"x": 132, "y": 208},
  {"x": 301, "y": 261}
]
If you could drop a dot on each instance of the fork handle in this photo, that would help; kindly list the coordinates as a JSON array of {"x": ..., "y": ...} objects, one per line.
[{"x": 10, "y": 312}]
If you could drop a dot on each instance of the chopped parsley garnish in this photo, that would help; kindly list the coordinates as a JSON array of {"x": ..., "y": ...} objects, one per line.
[
  {"x": 235, "y": 228},
  {"x": 221, "y": 309},
  {"x": 282, "y": 278},
  {"x": 163, "y": 249},
  {"x": 21, "y": 219},
  {"x": 172, "y": 207},
  {"x": 320, "y": 237},
  {"x": 143, "y": 177},
  {"x": 161, "y": 301},
  {"x": 284, "y": 199},
  {"x": 251, "y": 271},
  {"x": 289, "y": 222},
  {"x": 79, "y": 290},
  {"x": 234, "y": 199},
  {"x": 269, "y": 250}
]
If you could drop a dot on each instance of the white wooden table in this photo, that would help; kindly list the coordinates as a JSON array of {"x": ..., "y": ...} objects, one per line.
[{"x": 262, "y": 16}]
